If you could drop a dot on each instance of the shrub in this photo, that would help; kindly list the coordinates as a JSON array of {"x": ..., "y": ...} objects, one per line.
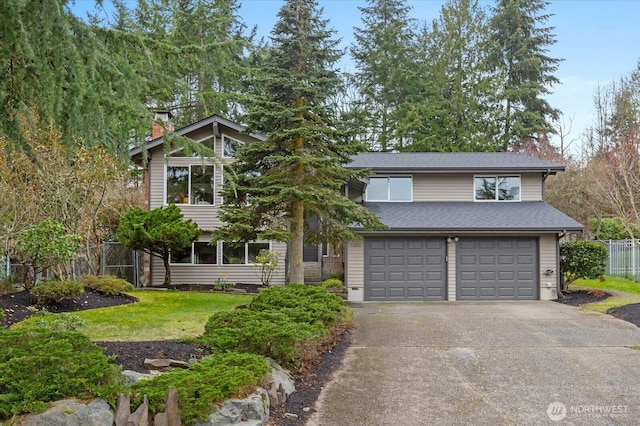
[
  {"x": 40, "y": 366},
  {"x": 107, "y": 284},
  {"x": 332, "y": 283},
  {"x": 55, "y": 291},
  {"x": 209, "y": 381},
  {"x": 3, "y": 314},
  {"x": 9, "y": 283},
  {"x": 302, "y": 302},
  {"x": 56, "y": 322},
  {"x": 582, "y": 259},
  {"x": 273, "y": 334}
]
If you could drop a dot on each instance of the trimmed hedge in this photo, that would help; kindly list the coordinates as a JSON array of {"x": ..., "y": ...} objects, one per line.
[
  {"x": 207, "y": 383},
  {"x": 41, "y": 366},
  {"x": 582, "y": 259}
]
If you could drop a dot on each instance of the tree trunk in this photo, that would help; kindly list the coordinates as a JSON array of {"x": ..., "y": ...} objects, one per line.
[
  {"x": 167, "y": 270},
  {"x": 296, "y": 267}
]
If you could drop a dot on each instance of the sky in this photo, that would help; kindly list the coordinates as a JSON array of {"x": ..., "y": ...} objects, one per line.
[{"x": 598, "y": 40}]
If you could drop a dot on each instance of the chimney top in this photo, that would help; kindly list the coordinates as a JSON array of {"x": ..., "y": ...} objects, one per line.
[{"x": 161, "y": 122}]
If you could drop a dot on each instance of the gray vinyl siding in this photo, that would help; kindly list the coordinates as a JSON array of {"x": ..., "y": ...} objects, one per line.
[
  {"x": 354, "y": 273},
  {"x": 208, "y": 274},
  {"x": 548, "y": 259},
  {"x": 459, "y": 187}
]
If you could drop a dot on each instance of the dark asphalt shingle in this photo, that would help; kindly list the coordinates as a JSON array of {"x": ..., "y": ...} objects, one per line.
[{"x": 531, "y": 216}]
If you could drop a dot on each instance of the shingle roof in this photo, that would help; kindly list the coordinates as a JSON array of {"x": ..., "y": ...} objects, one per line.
[
  {"x": 452, "y": 162},
  {"x": 468, "y": 217}
]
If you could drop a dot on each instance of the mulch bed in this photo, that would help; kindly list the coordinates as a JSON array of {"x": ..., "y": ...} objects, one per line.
[
  {"x": 131, "y": 355},
  {"x": 629, "y": 313}
]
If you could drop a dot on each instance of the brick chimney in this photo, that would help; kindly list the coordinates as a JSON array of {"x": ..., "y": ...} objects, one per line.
[{"x": 161, "y": 123}]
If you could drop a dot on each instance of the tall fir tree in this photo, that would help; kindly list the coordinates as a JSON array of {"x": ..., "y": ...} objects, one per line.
[
  {"x": 297, "y": 173},
  {"x": 520, "y": 43},
  {"x": 193, "y": 54},
  {"x": 459, "y": 114},
  {"x": 58, "y": 70},
  {"x": 383, "y": 51}
]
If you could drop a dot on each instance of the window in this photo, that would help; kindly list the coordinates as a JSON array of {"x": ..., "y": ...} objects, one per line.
[
  {"x": 497, "y": 188},
  {"x": 182, "y": 152},
  {"x": 229, "y": 146},
  {"x": 192, "y": 184},
  {"x": 242, "y": 254},
  {"x": 389, "y": 188},
  {"x": 201, "y": 253}
]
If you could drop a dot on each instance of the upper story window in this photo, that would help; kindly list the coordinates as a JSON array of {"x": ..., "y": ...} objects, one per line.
[
  {"x": 193, "y": 184},
  {"x": 209, "y": 142},
  {"x": 229, "y": 146},
  {"x": 497, "y": 188},
  {"x": 390, "y": 188}
]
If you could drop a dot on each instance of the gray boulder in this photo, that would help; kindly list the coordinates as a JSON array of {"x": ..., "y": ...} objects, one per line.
[
  {"x": 71, "y": 412},
  {"x": 250, "y": 411}
]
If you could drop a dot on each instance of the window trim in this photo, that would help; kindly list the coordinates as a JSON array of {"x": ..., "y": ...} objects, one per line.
[
  {"x": 496, "y": 199},
  {"x": 388, "y": 199},
  {"x": 222, "y": 138},
  {"x": 246, "y": 253},
  {"x": 214, "y": 187},
  {"x": 193, "y": 255}
]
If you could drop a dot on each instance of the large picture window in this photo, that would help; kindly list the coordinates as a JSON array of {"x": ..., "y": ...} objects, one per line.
[
  {"x": 390, "y": 188},
  {"x": 497, "y": 188},
  {"x": 200, "y": 253},
  {"x": 193, "y": 184},
  {"x": 242, "y": 254}
]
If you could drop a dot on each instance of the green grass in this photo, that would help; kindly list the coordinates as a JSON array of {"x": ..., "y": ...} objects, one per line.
[
  {"x": 159, "y": 315},
  {"x": 629, "y": 292}
]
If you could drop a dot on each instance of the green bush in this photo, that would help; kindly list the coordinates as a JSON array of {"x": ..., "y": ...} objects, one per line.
[
  {"x": 9, "y": 283},
  {"x": 268, "y": 333},
  {"x": 56, "y": 322},
  {"x": 55, "y": 291},
  {"x": 3, "y": 314},
  {"x": 611, "y": 228},
  {"x": 302, "y": 302},
  {"x": 40, "y": 366},
  {"x": 209, "y": 381},
  {"x": 582, "y": 259},
  {"x": 332, "y": 283},
  {"x": 107, "y": 284}
]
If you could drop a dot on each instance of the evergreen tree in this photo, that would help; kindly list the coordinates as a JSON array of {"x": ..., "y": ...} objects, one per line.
[
  {"x": 297, "y": 173},
  {"x": 197, "y": 51},
  {"x": 58, "y": 70},
  {"x": 520, "y": 45},
  {"x": 459, "y": 114},
  {"x": 383, "y": 52}
]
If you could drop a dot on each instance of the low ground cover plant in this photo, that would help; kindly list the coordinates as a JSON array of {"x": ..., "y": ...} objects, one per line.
[
  {"x": 207, "y": 383},
  {"x": 332, "y": 283},
  {"x": 38, "y": 366},
  {"x": 107, "y": 284},
  {"x": 287, "y": 324}
]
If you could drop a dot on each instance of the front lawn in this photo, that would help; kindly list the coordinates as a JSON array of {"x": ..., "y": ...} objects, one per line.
[
  {"x": 159, "y": 315},
  {"x": 631, "y": 290}
]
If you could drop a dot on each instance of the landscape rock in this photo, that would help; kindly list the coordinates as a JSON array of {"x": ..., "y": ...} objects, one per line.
[
  {"x": 162, "y": 364},
  {"x": 250, "y": 411},
  {"x": 133, "y": 376},
  {"x": 71, "y": 412},
  {"x": 281, "y": 384}
]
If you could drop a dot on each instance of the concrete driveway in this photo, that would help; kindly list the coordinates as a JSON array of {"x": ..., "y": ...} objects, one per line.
[{"x": 484, "y": 363}]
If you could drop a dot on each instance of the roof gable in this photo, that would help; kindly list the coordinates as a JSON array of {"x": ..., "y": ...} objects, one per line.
[
  {"x": 215, "y": 121},
  {"x": 438, "y": 162}
]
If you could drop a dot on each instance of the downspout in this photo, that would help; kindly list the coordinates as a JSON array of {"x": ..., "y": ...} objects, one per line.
[
  {"x": 544, "y": 179},
  {"x": 560, "y": 279}
]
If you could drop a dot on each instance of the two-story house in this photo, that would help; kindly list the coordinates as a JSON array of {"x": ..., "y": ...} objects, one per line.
[
  {"x": 192, "y": 183},
  {"x": 461, "y": 226}
]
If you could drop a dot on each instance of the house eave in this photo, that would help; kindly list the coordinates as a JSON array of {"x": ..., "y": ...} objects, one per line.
[{"x": 468, "y": 231}]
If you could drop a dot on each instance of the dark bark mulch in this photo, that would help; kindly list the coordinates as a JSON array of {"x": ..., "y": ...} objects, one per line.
[
  {"x": 582, "y": 297},
  {"x": 629, "y": 313}
]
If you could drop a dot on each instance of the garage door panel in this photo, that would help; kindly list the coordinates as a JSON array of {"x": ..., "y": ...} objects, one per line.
[
  {"x": 497, "y": 268},
  {"x": 405, "y": 268}
]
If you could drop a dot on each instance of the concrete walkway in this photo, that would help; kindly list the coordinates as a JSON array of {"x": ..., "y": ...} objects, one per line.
[{"x": 489, "y": 363}]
